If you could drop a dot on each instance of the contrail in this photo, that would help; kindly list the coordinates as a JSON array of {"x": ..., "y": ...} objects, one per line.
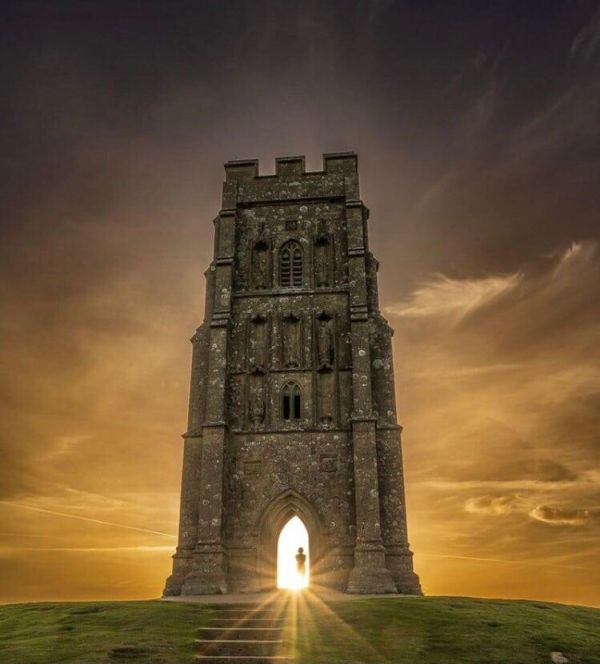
[
  {"x": 86, "y": 518},
  {"x": 87, "y": 549},
  {"x": 500, "y": 560}
]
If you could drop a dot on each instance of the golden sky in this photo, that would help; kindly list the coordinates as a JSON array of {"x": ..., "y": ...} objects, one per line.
[{"x": 478, "y": 138}]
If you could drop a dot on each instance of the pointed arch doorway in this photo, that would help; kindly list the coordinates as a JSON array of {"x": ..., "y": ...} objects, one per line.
[
  {"x": 293, "y": 541},
  {"x": 289, "y": 513}
]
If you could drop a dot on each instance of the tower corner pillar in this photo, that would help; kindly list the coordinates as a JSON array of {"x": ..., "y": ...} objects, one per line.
[
  {"x": 369, "y": 574},
  {"x": 209, "y": 559}
]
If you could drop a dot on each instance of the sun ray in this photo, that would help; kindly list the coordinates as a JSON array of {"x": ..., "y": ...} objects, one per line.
[{"x": 310, "y": 610}]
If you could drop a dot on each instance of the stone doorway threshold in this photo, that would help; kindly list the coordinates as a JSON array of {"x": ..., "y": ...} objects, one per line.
[{"x": 323, "y": 594}]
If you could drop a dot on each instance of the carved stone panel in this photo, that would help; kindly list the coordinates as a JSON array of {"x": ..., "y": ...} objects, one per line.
[
  {"x": 256, "y": 398},
  {"x": 323, "y": 266},
  {"x": 325, "y": 345},
  {"x": 329, "y": 463},
  {"x": 258, "y": 343},
  {"x": 236, "y": 401},
  {"x": 325, "y": 396},
  {"x": 260, "y": 266},
  {"x": 252, "y": 468},
  {"x": 292, "y": 342}
]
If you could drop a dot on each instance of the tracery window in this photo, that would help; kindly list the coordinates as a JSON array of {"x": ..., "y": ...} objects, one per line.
[
  {"x": 291, "y": 402},
  {"x": 290, "y": 265}
]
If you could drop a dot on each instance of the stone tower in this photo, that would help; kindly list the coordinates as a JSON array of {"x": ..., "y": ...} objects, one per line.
[{"x": 292, "y": 408}]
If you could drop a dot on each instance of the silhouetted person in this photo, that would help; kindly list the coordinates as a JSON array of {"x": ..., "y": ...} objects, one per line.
[{"x": 301, "y": 562}]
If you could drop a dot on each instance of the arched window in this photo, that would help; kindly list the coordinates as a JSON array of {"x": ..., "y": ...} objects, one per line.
[
  {"x": 290, "y": 265},
  {"x": 291, "y": 402}
]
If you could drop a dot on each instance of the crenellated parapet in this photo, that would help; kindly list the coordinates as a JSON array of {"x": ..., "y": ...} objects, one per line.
[{"x": 291, "y": 182}]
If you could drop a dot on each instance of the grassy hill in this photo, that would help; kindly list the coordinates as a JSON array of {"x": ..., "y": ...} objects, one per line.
[{"x": 441, "y": 630}]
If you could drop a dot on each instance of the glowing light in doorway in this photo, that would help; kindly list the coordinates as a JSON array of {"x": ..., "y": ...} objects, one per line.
[{"x": 293, "y": 536}]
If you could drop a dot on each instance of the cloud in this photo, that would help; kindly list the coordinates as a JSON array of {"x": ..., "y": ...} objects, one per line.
[
  {"x": 576, "y": 252},
  {"x": 454, "y": 298},
  {"x": 523, "y": 485},
  {"x": 533, "y": 563},
  {"x": 501, "y": 413},
  {"x": 526, "y": 472},
  {"x": 494, "y": 505},
  {"x": 483, "y": 72},
  {"x": 502, "y": 505},
  {"x": 530, "y": 301},
  {"x": 560, "y": 516},
  {"x": 586, "y": 40},
  {"x": 66, "y": 444},
  {"x": 568, "y": 119}
]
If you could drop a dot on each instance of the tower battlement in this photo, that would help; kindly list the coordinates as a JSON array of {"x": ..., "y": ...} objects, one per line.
[
  {"x": 291, "y": 181},
  {"x": 344, "y": 163}
]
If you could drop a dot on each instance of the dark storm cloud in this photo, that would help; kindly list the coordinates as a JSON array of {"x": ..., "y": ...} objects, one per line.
[{"x": 477, "y": 129}]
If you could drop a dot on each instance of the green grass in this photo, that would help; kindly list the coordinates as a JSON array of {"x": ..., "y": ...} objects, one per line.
[
  {"x": 449, "y": 630},
  {"x": 430, "y": 630},
  {"x": 91, "y": 632}
]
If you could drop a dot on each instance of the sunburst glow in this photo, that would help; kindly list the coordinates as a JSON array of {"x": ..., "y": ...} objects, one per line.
[{"x": 293, "y": 536}]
